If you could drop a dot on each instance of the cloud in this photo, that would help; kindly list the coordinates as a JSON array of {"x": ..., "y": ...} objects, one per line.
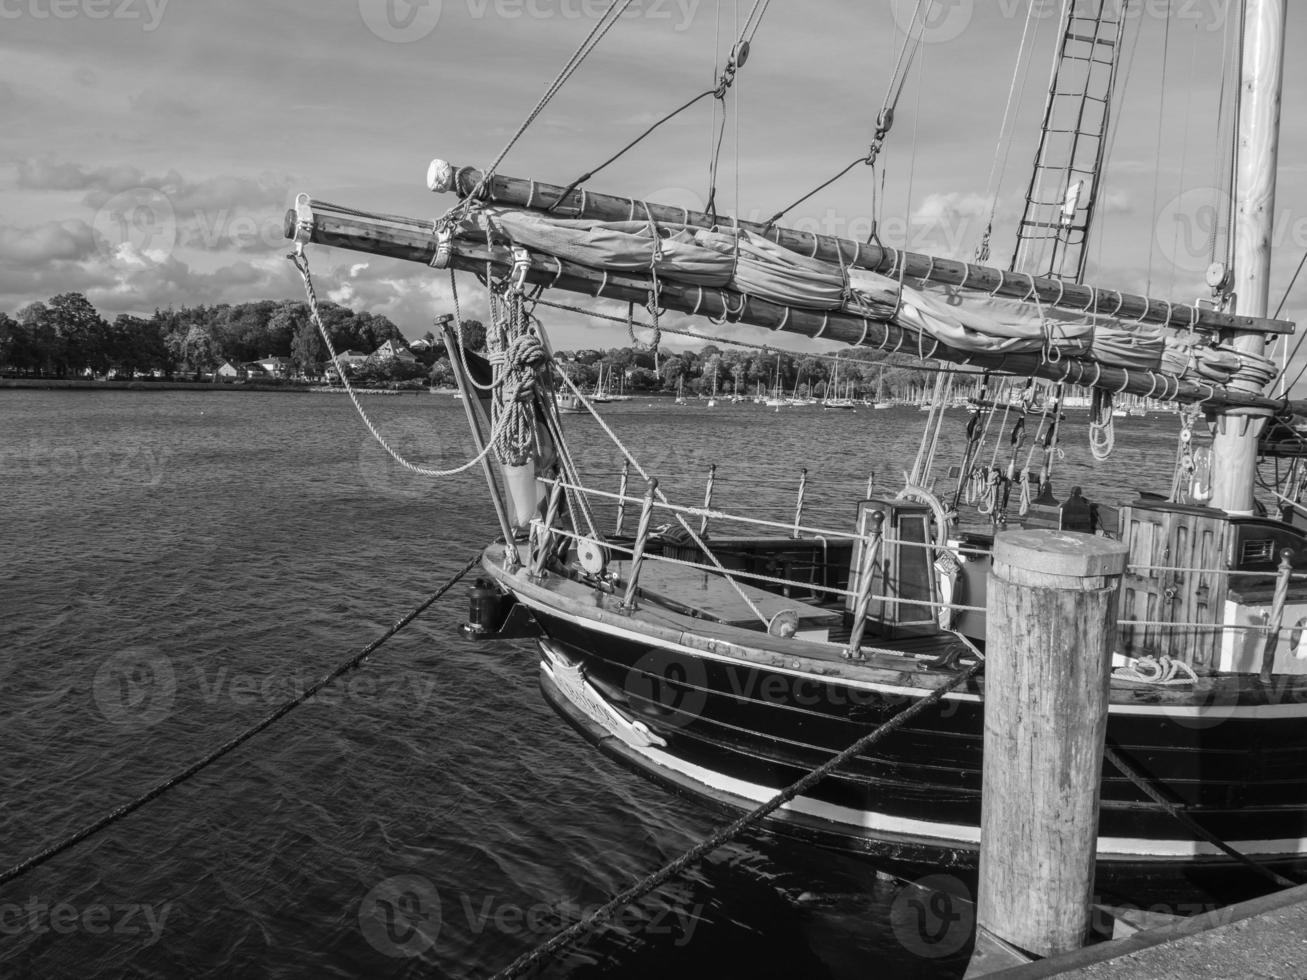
[
  {"x": 101, "y": 184},
  {"x": 54, "y": 241}
]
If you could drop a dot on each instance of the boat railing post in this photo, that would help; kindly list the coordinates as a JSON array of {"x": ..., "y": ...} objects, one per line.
[
  {"x": 1051, "y": 608},
  {"x": 1276, "y": 620},
  {"x": 707, "y": 499},
  {"x": 866, "y": 584},
  {"x": 798, "y": 506},
  {"x": 871, "y": 484},
  {"x": 641, "y": 539},
  {"x": 621, "y": 497},
  {"x": 545, "y": 531}
]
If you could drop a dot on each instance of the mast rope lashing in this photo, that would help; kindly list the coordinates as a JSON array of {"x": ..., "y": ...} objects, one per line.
[{"x": 1102, "y": 426}]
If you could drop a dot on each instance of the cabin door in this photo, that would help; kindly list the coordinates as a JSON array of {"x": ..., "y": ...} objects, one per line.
[{"x": 1169, "y": 544}]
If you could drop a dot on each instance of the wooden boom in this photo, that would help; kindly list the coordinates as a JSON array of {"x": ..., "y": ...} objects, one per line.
[
  {"x": 533, "y": 195},
  {"x": 414, "y": 240}
]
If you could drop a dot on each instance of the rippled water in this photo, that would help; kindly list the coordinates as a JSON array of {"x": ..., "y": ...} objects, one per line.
[{"x": 177, "y": 564}]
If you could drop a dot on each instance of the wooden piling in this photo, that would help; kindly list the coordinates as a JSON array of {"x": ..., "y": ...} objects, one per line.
[{"x": 1052, "y": 609}]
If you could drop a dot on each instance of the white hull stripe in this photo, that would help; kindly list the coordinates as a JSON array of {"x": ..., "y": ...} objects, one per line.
[{"x": 1205, "y": 713}]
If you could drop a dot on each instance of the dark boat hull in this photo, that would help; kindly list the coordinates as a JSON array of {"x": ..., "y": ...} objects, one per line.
[{"x": 735, "y": 733}]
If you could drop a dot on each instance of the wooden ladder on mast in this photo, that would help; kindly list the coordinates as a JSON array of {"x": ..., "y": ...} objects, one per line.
[{"x": 1063, "y": 191}]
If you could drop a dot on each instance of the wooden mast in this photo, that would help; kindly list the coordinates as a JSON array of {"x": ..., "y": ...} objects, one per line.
[{"x": 1234, "y": 447}]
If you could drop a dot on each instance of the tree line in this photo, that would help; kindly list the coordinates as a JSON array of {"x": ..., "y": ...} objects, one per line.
[{"x": 65, "y": 337}]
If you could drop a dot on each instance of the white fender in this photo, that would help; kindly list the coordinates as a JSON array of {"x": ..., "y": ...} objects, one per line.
[{"x": 524, "y": 493}]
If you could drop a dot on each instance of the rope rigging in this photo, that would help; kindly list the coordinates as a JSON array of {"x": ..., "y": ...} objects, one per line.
[{"x": 885, "y": 118}]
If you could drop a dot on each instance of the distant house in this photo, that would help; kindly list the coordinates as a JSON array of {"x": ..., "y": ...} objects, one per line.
[
  {"x": 394, "y": 350},
  {"x": 276, "y": 367},
  {"x": 227, "y": 371},
  {"x": 349, "y": 361},
  {"x": 254, "y": 370},
  {"x": 420, "y": 344}
]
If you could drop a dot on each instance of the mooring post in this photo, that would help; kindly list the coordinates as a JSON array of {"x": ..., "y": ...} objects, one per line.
[
  {"x": 707, "y": 499},
  {"x": 545, "y": 538},
  {"x": 1276, "y": 621},
  {"x": 1051, "y": 623},
  {"x": 798, "y": 506},
  {"x": 621, "y": 496},
  {"x": 641, "y": 538}
]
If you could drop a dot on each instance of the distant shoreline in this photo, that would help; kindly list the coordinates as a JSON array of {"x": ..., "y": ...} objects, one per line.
[{"x": 81, "y": 384}]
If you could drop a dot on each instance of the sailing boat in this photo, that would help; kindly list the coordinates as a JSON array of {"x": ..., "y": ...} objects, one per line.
[
  {"x": 680, "y": 391},
  {"x": 838, "y": 401},
  {"x": 687, "y": 659},
  {"x": 777, "y": 399}
]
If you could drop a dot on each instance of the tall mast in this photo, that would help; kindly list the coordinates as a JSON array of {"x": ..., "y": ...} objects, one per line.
[{"x": 1262, "y": 71}]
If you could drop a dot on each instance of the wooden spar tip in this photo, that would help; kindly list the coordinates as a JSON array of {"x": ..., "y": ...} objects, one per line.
[{"x": 517, "y": 192}]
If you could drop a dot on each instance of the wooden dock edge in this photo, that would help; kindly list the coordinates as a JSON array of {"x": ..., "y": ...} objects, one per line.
[{"x": 1207, "y": 922}]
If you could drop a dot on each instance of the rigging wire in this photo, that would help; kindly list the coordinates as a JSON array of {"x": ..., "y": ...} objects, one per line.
[
  {"x": 1184, "y": 149},
  {"x": 602, "y": 26},
  {"x": 1003, "y": 145},
  {"x": 885, "y": 119},
  {"x": 1161, "y": 128}
]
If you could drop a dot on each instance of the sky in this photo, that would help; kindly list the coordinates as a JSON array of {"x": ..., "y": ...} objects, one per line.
[{"x": 152, "y": 147}]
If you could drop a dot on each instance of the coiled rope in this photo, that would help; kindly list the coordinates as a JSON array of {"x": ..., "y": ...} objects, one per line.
[
  {"x": 732, "y": 830},
  {"x": 72, "y": 840},
  {"x": 1102, "y": 429}
]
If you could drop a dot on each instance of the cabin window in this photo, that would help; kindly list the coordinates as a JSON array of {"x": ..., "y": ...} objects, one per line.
[{"x": 914, "y": 570}]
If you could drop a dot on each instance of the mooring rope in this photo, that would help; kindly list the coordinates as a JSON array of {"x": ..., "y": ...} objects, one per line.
[
  {"x": 733, "y": 829},
  {"x": 72, "y": 840}
]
